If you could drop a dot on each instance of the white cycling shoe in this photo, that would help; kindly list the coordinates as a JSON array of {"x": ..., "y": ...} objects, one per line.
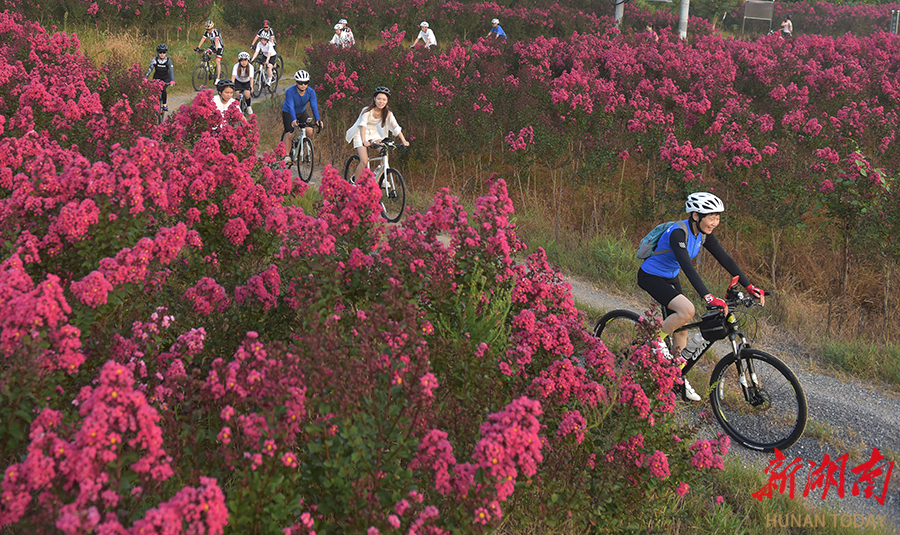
[{"x": 689, "y": 394}]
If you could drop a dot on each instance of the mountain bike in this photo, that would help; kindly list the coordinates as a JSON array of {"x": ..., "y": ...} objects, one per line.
[
  {"x": 755, "y": 397},
  {"x": 301, "y": 151},
  {"x": 205, "y": 71},
  {"x": 393, "y": 190},
  {"x": 259, "y": 76}
]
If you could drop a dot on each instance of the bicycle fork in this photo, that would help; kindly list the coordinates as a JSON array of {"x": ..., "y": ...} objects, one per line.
[{"x": 753, "y": 393}]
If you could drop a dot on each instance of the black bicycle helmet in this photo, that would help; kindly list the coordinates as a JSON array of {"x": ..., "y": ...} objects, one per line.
[
  {"x": 223, "y": 83},
  {"x": 161, "y": 48},
  {"x": 381, "y": 89}
]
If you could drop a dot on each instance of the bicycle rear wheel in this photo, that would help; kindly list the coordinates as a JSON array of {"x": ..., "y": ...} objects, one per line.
[
  {"x": 350, "y": 168},
  {"x": 393, "y": 195},
  {"x": 199, "y": 78},
  {"x": 620, "y": 331},
  {"x": 305, "y": 160},
  {"x": 775, "y": 414}
]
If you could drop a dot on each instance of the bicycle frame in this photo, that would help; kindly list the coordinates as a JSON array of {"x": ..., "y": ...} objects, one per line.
[{"x": 738, "y": 341}]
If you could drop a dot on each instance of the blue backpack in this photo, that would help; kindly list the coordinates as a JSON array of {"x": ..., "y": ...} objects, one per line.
[{"x": 647, "y": 248}]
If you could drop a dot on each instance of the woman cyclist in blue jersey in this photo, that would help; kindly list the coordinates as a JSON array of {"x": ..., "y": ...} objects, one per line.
[
  {"x": 162, "y": 69},
  {"x": 658, "y": 275},
  {"x": 293, "y": 111}
]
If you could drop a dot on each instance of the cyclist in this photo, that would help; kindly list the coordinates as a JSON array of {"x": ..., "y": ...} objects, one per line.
[
  {"x": 162, "y": 69},
  {"x": 787, "y": 28},
  {"x": 267, "y": 49},
  {"x": 374, "y": 123},
  {"x": 338, "y": 38},
  {"x": 496, "y": 30},
  {"x": 426, "y": 35},
  {"x": 223, "y": 97},
  {"x": 348, "y": 33},
  {"x": 266, "y": 31},
  {"x": 242, "y": 76},
  {"x": 293, "y": 111},
  {"x": 658, "y": 275},
  {"x": 216, "y": 44}
]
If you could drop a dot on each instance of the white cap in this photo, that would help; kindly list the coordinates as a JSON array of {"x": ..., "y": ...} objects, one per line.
[
  {"x": 339, "y": 26},
  {"x": 424, "y": 24}
]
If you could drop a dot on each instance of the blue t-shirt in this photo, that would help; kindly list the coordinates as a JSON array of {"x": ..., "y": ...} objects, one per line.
[
  {"x": 666, "y": 265},
  {"x": 295, "y": 103},
  {"x": 499, "y": 31}
]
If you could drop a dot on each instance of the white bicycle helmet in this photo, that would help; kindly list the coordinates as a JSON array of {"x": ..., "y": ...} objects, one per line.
[
  {"x": 342, "y": 21},
  {"x": 495, "y": 21},
  {"x": 301, "y": 76},
  {"x": 424, "y": 24},
  {"x": 244, "y": 55},
  {"x": 338, "y": 26},
  {"x": 704, "y": 203}
]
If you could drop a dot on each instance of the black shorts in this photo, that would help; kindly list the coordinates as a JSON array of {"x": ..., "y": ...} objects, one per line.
[
  {"x": 287, "y": 120},
  {"x": 661, "y": 289},
  {"x": 217, "y": 51},
  {"x": 241, "y": 86}
]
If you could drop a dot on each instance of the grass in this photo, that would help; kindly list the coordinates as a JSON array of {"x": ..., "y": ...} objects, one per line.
[{"x": 864, "y": 359}]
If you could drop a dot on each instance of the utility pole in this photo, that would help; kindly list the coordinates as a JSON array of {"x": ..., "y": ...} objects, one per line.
[{"x": 683, "y": 21}]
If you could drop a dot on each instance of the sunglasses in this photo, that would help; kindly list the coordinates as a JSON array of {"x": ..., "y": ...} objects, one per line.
[{"x": 302, "y": 83}]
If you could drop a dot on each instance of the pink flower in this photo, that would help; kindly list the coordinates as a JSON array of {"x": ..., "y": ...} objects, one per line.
[
  {"x": 719, "y": 500},
  {"x": 682, "y": 489},
  {"x": 658, "y": 464}
]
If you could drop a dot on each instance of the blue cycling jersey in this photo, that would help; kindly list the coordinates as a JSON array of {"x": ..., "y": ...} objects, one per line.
[
  {"x": 295, "y": 103},
  {"x": 666, "y": 265}
]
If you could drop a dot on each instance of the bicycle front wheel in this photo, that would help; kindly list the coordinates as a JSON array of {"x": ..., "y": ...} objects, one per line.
[
  {"x": 199, "y": 78},
  {"x": 620, "y": 331},
  {"x": 258, "y": 79},
  {"x": 350, "y": 168},
  {"x": 279, "y": 60},
  {"x": 276, "y": 76},
  {"x": 393, "y": 195},
  {"x": 305, "y": 160},
  {"x": 770, "y": 413}
]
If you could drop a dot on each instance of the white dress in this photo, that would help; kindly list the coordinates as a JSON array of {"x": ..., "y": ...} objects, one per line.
[{"x": 374, "y": 130}]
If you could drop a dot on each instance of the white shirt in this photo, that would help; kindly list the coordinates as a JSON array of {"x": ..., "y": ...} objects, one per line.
[
  {"x": 340, "y": 39},
  {"x": 348, "y": 36},
  {"x": 222, "y": 106},
  {"x": 373, "y": 126},
  {"x": 234, "y": 72},
  {"x": 267, "y": 50},
  {"x": 427, "y": 36}
]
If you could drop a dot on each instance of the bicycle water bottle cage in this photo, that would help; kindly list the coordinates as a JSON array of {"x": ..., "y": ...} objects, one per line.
[{"x": 712, "y": 326}]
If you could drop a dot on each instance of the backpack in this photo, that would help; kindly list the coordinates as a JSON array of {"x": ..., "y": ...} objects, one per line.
[{"x": 647, "y": 247}]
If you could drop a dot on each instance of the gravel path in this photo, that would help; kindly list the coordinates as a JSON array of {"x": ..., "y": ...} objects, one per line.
[{"x": 853, "y": 416}]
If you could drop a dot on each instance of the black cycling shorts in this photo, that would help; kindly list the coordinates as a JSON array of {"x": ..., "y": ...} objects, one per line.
[
  {"x": 287, "y": 120},
  {"x": 660, "y": 289},
  {"x": 241, "y": 86}
]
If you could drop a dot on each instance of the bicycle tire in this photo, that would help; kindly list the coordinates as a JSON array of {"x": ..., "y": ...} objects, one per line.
[
  {"x": 280, "y": 61},
  {"x": 393, "y": 195},
  {"x": 257, "y": 84},
  {"x": 350, "y": 168},
  {"x": 273, "y": 88},
  {"x": 200, "y": 77},
  {"x": 620, "y": 331},
  {"x": 778, "y": 417},
  {"x": 305, "y": 160}
]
